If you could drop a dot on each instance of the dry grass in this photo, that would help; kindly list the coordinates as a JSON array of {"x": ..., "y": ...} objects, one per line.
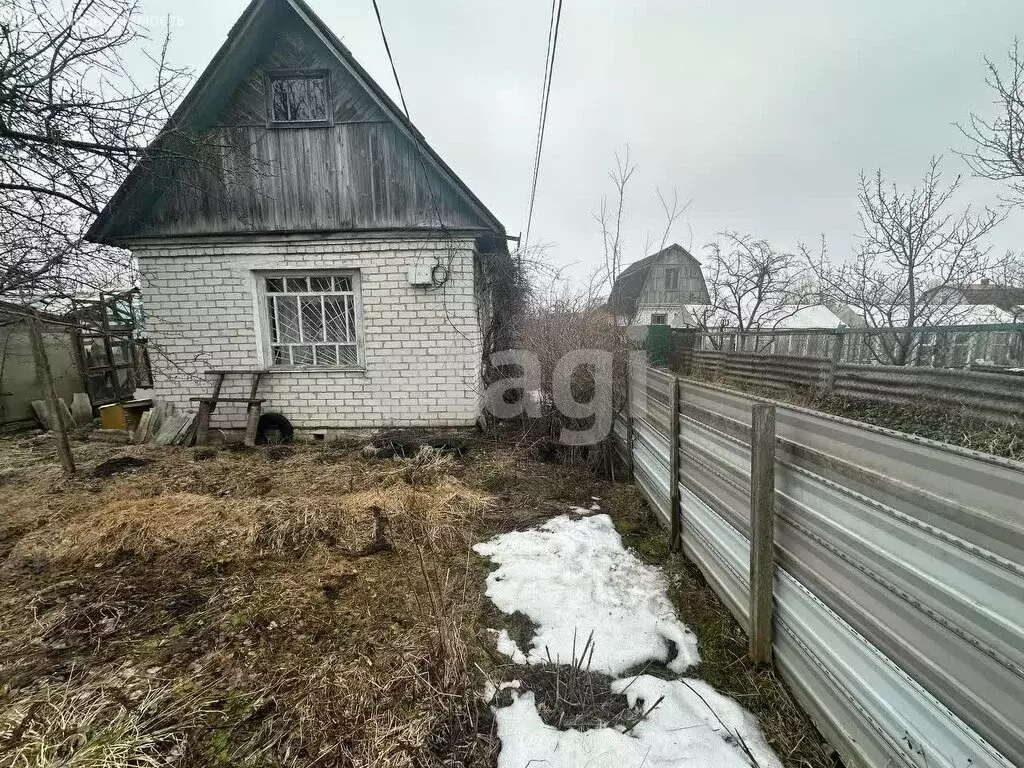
[
  {"x": 232, "y": 594},
  {"x": 214, "y": 610}
]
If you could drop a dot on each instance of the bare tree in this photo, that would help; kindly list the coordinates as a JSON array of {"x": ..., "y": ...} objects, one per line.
[
  {"x": 998, "y": 152},
  {"x": 751, "y": 285},
  {"x": 75, "y": 117},
  {"x": 915, "y": 247},
  {"x": 610, "y": 217}
]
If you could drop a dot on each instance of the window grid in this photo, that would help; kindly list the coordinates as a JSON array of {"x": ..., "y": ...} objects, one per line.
[
  {"x": 671, "y": 279},
  {"x": 295, "y": 338}
]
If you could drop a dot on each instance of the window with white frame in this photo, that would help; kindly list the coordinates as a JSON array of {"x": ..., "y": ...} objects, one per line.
[{"x": 311, "y": 319}]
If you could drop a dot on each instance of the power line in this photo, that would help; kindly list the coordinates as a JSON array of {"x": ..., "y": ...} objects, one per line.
[{"x": 549, "y": 68}]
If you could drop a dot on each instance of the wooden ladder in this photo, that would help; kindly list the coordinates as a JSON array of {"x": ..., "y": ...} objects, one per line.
[{"x": 207, "y": 405}]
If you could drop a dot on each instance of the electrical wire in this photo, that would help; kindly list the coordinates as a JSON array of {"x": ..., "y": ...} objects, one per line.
[
  {"x": 405, "y": 109},
  {"x": 549, "y": 69}
]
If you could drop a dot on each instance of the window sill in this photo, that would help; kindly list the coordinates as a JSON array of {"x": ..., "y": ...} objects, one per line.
[{"x": 354, "y": 369}]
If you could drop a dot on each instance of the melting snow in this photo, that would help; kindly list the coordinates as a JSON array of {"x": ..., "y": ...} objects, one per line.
[
  {"x": 693, "y": 726},
  {"x": 572, "y": 576}
]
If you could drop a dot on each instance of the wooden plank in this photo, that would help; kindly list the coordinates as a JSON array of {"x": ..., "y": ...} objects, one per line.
[
  {"x": 252, "y": 424},
  {"x": 762, "y": 531},
  {"x": 675, "y": 527},
  {"x": 203, "y": 423},
  {"x": 45, "y": 375}
]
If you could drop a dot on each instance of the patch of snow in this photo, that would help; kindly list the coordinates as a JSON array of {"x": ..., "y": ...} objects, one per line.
[
  {"x": 582, "y": 510},
  {"x": 595, "y": 507},
  {"x": 509, "y": 647},
  {"x": 693, "y": 726},
  {"x": 572, "y": 576},
  {"x": 491, "y": 690}
]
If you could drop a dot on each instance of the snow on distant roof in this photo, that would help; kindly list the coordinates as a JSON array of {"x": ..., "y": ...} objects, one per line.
[
  {"x": 976, "y": 314},
  {"x": 942, "y": 315},
  {"x": 814, "y": 316},
  {"x": 786, "y": 317}
]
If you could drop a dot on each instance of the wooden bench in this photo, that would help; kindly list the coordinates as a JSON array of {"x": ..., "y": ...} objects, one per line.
[{"x": 207, "y": 405}]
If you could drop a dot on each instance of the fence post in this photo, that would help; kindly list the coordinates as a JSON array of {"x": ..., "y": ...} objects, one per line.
[
  {"x": 675, "y": 526},
  {"x": 629, "y": 421},
  {"x": 762, "y": 530},
  {"x": 838, "y": 343}
]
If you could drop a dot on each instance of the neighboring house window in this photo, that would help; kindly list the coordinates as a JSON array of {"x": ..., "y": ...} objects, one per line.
[
  {"x": 298, "y": 98},
  {"x": 659, "y": 319},
  {"x": 311, "y": 319},
  {"x": 671, "y": 279}
]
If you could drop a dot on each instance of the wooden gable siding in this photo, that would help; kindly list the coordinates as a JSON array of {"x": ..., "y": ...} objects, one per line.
[
  {"x": 360, "y": 173},
  {"x": 692, "y": 288}
]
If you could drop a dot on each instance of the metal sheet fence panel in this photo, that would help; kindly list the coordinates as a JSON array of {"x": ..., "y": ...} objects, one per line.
[
  {"x": 891, "y": 580},
  {"x": 650, "y": 466},
  {"x": 873, "y": 712},
  {"x": 997, "y": 397},
  {"x": 900, "y": 600}
]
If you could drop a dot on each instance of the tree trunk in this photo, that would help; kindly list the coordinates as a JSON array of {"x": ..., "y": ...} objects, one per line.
[{"x": 45, "y": 375}]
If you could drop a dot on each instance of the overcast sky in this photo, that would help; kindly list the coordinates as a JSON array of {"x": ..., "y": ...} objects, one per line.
[{"x": 762, "y": 114}]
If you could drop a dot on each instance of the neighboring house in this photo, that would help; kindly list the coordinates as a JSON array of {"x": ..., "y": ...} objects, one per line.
[
  {"x": 656, "y": 290},
  {"x": 985, "y": 293},
  {"x": 316, "y": 236},
  {"x": 946, "y": 314},
  {"x": 786, "y": 317}
]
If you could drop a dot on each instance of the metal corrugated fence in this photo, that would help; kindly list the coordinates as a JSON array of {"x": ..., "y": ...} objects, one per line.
[
  {"x": 899, "y": 589},
  {"x": 997, "y": 397}
]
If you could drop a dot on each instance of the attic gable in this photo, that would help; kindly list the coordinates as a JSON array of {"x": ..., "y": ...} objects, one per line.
[{"x": 366, "y": 168}]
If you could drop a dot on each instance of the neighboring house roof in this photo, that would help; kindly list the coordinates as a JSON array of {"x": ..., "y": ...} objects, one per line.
[
  {"x": 977, "y": 314},
  {"x": 938, "y": 315},
  {"x": 143, "y": 186},
  {"x": 629, "y": 285},
  {"x": 786, "y": 317},
  {"x": 1002, "y": 296}
]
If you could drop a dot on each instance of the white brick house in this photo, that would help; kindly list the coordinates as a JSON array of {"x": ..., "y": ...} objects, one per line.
[{"x": 317, "y": 238}]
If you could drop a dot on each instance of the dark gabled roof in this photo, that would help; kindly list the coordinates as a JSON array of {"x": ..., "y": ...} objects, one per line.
[
  {"x": 140, "y": 189},
  {"x": 630, "y": 282},
  {"x": 1002, "y": 296}
]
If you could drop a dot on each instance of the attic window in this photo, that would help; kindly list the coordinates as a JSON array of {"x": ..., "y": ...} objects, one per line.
[
  {"x": 671, "y": 279},
  {"x": 298, "y": 97}
]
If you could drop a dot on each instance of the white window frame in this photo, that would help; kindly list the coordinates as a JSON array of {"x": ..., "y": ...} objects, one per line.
[
  {"x": 263, "y": 327},
  {"x": 659, "y": 314}
]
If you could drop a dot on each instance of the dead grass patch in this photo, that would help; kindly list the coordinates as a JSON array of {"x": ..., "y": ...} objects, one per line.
[{"x": 232, "y": 590}]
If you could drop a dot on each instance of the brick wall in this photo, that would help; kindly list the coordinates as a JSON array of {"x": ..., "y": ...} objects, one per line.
[{"x": 421, "y": 347}]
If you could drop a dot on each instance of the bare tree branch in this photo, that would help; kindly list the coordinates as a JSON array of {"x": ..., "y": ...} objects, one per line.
[
  {"x": 914, "y": 249},
  {"x": 998, "y": 151}
]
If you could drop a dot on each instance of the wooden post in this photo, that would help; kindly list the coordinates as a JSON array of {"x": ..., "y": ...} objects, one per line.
[
  {"x": 67, "y": 461},
  {"x": 629, "y": 423},
  {"x": 675, "y": 527},
  {"x": 762, "y": 530},
  {"x": 838, "y": 346},
  {"x": 253, "y": 411},
  {"x": 205, "y": 410}
]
